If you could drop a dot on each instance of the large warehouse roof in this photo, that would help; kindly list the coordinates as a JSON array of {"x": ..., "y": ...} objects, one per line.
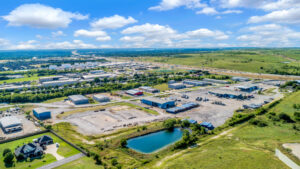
[
  {"x": 10, "y": 121},
  {"x": 40, "y": 110},
  {"x": 77, "y": 97}
]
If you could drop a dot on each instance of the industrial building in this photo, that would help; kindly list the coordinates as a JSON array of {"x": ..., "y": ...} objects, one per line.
[
  {"x": 207, "y": 125},
  {"x": 240, "y": 79},
  {"x": 247, "y": 88},
  {"x": 230, "y": 95},
  {"x": 149, "y": 89},
  {"x": 216, "y": 81},
  {"x": 60, "y": 82},
  {"x": 101, "y": 98},
  {"x": 41, "y": 113},
  {"x": 78, "y": 99},
  {"x": 156, "y": 102},
  {"x": 10, "y": 124},
  {"x": 134, "y": 92},
  {"x": 182, "y": 108},
  {"x": 176, "y": 86},
  {"x": 100, "y": 76},
  {"x": 97, "y": 71},
  {"x": 195, "y": 82}
]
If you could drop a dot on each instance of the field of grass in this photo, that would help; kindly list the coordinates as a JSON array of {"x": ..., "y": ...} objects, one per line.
[
  {"x": 55, "y": 100},
  {"x": 162, "y": 87},
  {"x": 247, "y": 146},
  {"x": 81, "y": 163},
  {"x": 25, "y": 78},
  {"x": 259, "y": 61},
  {"x": 64, "y": 150}
]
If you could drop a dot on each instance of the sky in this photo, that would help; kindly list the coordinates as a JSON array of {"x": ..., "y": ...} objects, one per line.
[{"x": 89, "y": 24}]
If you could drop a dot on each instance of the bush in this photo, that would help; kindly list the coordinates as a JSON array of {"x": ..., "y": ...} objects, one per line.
[
  {"x": 169, "y": 124},
  {"x": 5, "y": 151},
  {"x": 285, "y": 117},
  {"x": 114, "y": 162},
  {"x": 185, "y": 123},
  {"x": 97, "y": 159},
  {"x": 9, "y": 158},
  {"x": 258, "y": 122},
  {"x": 123, "y": 143},
  {"x": 297, "y": 116},
  {"x": 240, "y": 118}
]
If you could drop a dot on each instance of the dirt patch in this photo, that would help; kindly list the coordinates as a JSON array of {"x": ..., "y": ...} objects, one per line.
[
  {"x": 118, "y": 108},
  {"x": 52, "y": 149},
  {"x": 84, "y": 140}
]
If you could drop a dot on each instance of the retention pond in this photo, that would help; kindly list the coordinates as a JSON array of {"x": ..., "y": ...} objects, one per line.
[{"x": 155, "y": 141}]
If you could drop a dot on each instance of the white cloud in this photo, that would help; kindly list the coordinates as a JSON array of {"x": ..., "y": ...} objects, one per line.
[
  {"x": 243, "y": 3},
  {"x": 270, "y": 35},
  {"x": 165, "y": 5},
  {"x": 289, "y": 16},
  {"x": 98, "y": 34},
  {"x": 232, "y": 12},
  {"x": 281, "y": 4},
  {"x": 31, "y": 44},
  {"x": 41, "y": 16},
  {"x": 75, "y": 44},
  {"x": 154, "y": 35},
  {"x": 57, "y": 34},
  {"x": 3, "y": 42},
  {"x": 208, "y": 11},
  {"x": 112, "y": 22}
]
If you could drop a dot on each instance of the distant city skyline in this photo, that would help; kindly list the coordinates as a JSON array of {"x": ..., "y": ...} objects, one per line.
[{"x": 62, "y": 24}]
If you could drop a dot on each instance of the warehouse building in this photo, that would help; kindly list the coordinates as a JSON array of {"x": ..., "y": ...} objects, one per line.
[
  {"x": 156, "y": 102},
  {"x": 101, "y": 98},
  {"x": 182, "y": 108},
  {"x": 60, "y": 82},
  {"x": 247, "y": 88},
  {"x": 176, "y": 86},
  {"x": 78, "y": 99},
  {"x": 195, "y": 82},
  {"x": 134, "y": 92},
  {"x": 100, "y": 76},
  {"x": 51, "y": 78},
  {"x": 149, "y": 89},
  {"x": 240, "y": 79},
  {"x": 10, "y": 124},
  {"x": 41, "y": 113},
  {"x": 216, "y": 81},
  {"x": 207, "y": 125}
]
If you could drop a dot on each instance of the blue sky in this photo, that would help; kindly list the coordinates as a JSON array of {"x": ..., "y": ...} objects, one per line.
[{"x": 64, "y": 24}]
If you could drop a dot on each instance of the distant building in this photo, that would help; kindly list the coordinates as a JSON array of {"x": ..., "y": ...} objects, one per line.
[
  {"x": 207, "y": 125},
  {"x": 156, "y": 102},
  {"x": 78, "y": 99},
  {"x": 100, "y": 76},
  {"x": 247, "y": 88},
  {"x": 50, "y": 78},
  {"x": 42, "y": 113},
  {"x": 53, "y": 67},
  {"x": 29, "y": 150},
  {"x": 60, "y": 82},
  {"x": 216, "y": 81},
  {"x": 134, "y": 92},
  {"x": 176, "y": 86},
  {"x": 149, "y": 89},
  {"x": 240, "y": 79},
  {"x": 182, "y": 108},
  {"x": 171, "y": 81},
  {"x": 195, "y": 82},
  {"x": 101, "y": 98},
  {"x": 10, "y": 124}
]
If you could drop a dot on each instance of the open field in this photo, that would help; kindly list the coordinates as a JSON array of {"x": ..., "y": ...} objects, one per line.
[
  {"x": 34, "y": 77},
  {"x": 248, "y": 146},
  {"x": 257, "y": 61},
  {"x": 81, "y": 163},
  {"x": 64, "y": 150}
]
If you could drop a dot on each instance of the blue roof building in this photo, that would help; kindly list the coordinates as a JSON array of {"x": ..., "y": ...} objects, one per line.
[
  {"x": 182, "y": 108},
  {"x": 42, "y": 113},
  {"x": 207, "y": 125},
  {"x": 156, "y": 102}
]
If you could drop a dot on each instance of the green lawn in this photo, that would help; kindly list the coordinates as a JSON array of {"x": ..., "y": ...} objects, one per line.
[
  {"x": 25, "y": 78},
  {"x": 64, "y": 150},
  {"x": 81, "y": 163},
  {"x": 55, "y": 100},
  {"x": 162, "y": 87}
]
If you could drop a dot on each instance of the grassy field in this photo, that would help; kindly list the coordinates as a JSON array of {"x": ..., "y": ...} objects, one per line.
[
  {"x": 162, "y": 87},
  {"x": 81, "y": 163},
  {"x": 55, "y": 100},
  {"x": 64, "y": 150},
  {"x": 259, "y": 61},
  {"x": 248, "y": 146},
  {"x": 25, "y": 78}
]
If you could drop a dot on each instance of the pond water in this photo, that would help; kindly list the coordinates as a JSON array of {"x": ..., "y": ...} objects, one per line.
[{"x": 152, "y": 142}]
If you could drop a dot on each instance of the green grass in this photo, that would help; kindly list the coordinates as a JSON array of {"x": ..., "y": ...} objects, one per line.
[
  {"x": 55, "y": 100},
  {"x": 25, "y": 78},
  {"x": 81, "y": 163},
  {"x": 162, "y": 87},
  {"x": 64, "y": 150}
]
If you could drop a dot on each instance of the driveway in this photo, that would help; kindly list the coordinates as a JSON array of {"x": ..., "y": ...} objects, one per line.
[{"x": 52, "y": 149}]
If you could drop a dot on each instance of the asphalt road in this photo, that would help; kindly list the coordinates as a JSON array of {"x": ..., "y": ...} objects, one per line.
[{"x": 62, "y": 162}]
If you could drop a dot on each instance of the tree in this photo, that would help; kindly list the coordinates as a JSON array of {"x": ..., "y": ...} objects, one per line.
[
  {"x": 5, "y": 151},
  {"x": 114, "y": 162},
  {"x": 97, "y": 159},
  {"x": 185, "y": 123},
  {"x": 169, "y": 124},
  {"x": 123, "y": 142},
  {"x": 9, "y": 157},
  {"x": 285, "y": 117}
]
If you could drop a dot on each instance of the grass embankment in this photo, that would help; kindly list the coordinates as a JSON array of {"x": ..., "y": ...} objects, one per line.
[
  {"x": 55, "y": 100},
  {"x": 64, "y": 150},
  {"x": 80, "y": 110},
  {"x": 81, "y": 163},
  {"x": 249, "y": 146},
  {"x": 258, "y": 61}
]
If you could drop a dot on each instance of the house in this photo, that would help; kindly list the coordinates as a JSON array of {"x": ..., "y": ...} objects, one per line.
[
  {"x": 29, "y": 150},
  {"x": 156, "y": 102},
  {"x": 45, "y": 140},
  {"x": 42, "y": 113}
]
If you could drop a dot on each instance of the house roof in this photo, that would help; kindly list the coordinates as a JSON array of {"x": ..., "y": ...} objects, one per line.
[
  {"x": 29, "y": 148},
  {"x": 44, "y": 138}
]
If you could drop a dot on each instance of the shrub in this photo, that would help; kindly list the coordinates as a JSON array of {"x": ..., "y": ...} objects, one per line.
[
  {"x": 114, "y": 162},
  {"x": 97, "y": 159},
  {"x": 8, "y": 158},
  {"x": 258, "y": 122},
  {"x": 185, "y": 123},
  {"x": 123, "y": 143},
  {"x": 5, "y": 151},
  {"x": 240, "y": 118},
  {"x": 169, "y": 124},
  {"x": 297, "y": 116},
  {"x": 285, "y": 117}
]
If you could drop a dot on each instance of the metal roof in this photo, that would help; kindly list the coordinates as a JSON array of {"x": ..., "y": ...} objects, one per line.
[
  {"x": 158, "y": 100},
  {"x": 77, "y": 97},
  {"x": 41, "y": 110},
  {"x": 10, "y": 121}
]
